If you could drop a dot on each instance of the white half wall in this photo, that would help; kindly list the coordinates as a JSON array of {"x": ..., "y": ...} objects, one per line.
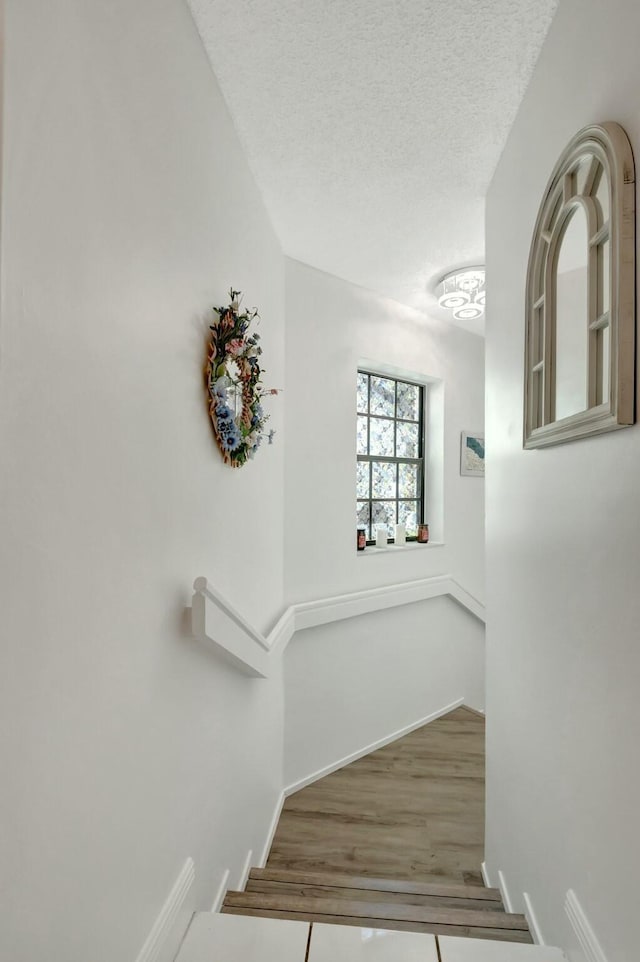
[
  {"x": 128, "y": 211},
  {"x": 351, "y": 684},
  {"x": 563, "y": 660},
  {"x": 331, "y": 325}
]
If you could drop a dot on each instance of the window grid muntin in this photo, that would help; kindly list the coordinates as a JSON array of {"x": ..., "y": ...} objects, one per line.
[
  {"x": 370, "y": 458},
  {"x": 541, "y": 371}
]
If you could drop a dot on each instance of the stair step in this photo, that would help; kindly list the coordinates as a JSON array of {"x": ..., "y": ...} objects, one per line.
[
  {"x": 326, "y": 890},
  {"x": 385, "y": 915},
  {"x": 336, "y": 880}
]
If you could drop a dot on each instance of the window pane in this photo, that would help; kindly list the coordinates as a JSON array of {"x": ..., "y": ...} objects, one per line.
[
  {"x": 605, "y": 348},
  {"x": 408, "y": 515},
  {"x": 362, "y": 517},
  {"x": 407, "y": 446},
  {"x": 604, "y": 279},
  {"x": 363, "y": 392},
  {"x": 584, "y": 168},
  {"x": 363, "y": 480},
  {"x": 384, "y": 513},
  {"x": 362, "y": 435},
  {"x": 408, "y": 481},
  {"x": 389, "y": 415},
  {"x": 382, "y": 437},
  {"x": 407, "y": 401},
  {"x": 384, "y": 480},
  {"x": 383, "y": 396},
  {"x": 602, "y": 199}
]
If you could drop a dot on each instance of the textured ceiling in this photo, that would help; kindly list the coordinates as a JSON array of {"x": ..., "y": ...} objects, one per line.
[{"x": 373, "y": 127}]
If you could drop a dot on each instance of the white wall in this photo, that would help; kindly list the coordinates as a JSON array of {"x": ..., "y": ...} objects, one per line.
[
  {"x": 352, "y": 683},
  {"x": 128, "y": 210},
  {"x": 376, "y": 674},
  {"x": 331, "y": 325},
  {"x": 562, "y": 546}
]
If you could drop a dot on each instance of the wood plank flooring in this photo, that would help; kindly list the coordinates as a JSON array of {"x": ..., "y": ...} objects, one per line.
[{"x": 413, "y": 810}]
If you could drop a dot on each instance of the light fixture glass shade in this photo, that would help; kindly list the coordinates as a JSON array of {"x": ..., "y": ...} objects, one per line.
[
  {"x": 462, "y": 292},
  {"x": 468, "y": 313},
  {"x": 453, "y": 299}
]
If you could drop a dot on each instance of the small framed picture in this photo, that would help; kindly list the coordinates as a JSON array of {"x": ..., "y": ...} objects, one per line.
[{"x": 472, "y": 454}]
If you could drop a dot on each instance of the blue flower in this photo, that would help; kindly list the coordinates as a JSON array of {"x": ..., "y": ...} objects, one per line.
[
  {"x": 223, "y": 413},
  {"x": 229, "y": 435},
  {"x": 219, "y": 388},
  {"x": 230, "y": 443}
]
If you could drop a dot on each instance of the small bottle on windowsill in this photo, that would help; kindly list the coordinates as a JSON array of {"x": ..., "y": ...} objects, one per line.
[
  {"x": 361, "y": 539},
  {"x": 423, "y": 533}
]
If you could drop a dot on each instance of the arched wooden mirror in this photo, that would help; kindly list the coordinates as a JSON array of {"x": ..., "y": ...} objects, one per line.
[{"x": 580, "y": 302}]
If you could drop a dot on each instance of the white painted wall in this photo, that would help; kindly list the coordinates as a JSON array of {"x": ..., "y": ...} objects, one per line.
[
  {"x": 349, "y": 684},
  {"x": 352, "y": 683},
  {"x": 562, "y": 546},
  {"x": 331, "y": 325},
  {"x": 128, "y": 209}
]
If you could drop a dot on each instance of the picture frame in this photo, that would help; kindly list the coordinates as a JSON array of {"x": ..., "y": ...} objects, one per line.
[{"x": 472, "y": 454}]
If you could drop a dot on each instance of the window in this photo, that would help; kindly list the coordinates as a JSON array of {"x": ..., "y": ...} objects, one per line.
[{"x": 390, "y": 454}]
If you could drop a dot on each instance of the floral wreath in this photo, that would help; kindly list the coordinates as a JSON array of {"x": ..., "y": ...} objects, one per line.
[{"x": 235, "y": 402}]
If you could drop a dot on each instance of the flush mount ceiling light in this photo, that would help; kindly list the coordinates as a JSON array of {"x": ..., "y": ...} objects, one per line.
[{"x": 462, "y": 292}]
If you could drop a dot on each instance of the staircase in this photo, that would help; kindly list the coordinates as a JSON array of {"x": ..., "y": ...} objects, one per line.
[{"x": 449, "y": 910}]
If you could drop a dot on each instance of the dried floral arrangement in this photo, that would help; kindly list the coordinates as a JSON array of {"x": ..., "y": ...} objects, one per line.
[{"x": 234, "y": 386}]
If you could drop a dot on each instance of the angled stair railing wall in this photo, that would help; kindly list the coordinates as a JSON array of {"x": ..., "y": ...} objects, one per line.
[{"x": 214, "y": 620}]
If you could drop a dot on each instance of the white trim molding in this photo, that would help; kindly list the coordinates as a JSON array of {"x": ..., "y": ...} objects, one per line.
[
  {"x": 169, "y": 928},
  {"x": 222, "y": 891},
  {"x": 532, "y": 920},
  {"x": 580, "y": 924},
  {"x": 214, "y": 620},
  {"x": 246, "y": 868},
  {"x": 272, "y": 830},
  {"x": 504, "y": 892},
  {"x": 373, "y": 747}
]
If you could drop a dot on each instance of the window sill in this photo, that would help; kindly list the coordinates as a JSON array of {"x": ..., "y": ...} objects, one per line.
[{"x": 371, "y": 549}]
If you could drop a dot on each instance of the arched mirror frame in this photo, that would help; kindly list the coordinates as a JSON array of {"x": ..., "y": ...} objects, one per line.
[{"x": 608, "y": 147}]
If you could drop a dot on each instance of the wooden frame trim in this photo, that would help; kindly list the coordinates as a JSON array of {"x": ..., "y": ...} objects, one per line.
[{"x": 609, "y": 146}]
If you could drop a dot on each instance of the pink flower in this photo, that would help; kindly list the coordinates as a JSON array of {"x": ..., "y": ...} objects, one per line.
[{"x": 234, "y": 348}]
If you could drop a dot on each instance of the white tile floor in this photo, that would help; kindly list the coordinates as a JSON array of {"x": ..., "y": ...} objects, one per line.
[
  {"x": 347, "y": 943},
  {"x": 240, "y": 938},
  {"x": 481, "y": 950}
]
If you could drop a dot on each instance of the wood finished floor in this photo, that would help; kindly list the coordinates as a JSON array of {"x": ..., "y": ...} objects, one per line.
[{"x": 412, "y": 810}]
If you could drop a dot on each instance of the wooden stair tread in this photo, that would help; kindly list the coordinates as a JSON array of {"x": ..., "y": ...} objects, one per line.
[
  {"x": 336, "y": 880},
  {"x": 355, "y": 908},
  {"x": 286, "y": 889}
]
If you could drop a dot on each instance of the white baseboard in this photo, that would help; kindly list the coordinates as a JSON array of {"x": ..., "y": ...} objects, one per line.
[
  {"x": 374, "y": 746},
  {"x": 532, "y": 920},
  {"x": 580, "y": 924},
  {"x": 272, "y": 830},
  {"x": 222, "y": 891},
  {"x": 504, "y": 892},
  {"x": 476, "y": 711},
  {"x": 246, "y": 868},
  {"x": 485, "y": 875},
  {"x": 169, "y": 928}
]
